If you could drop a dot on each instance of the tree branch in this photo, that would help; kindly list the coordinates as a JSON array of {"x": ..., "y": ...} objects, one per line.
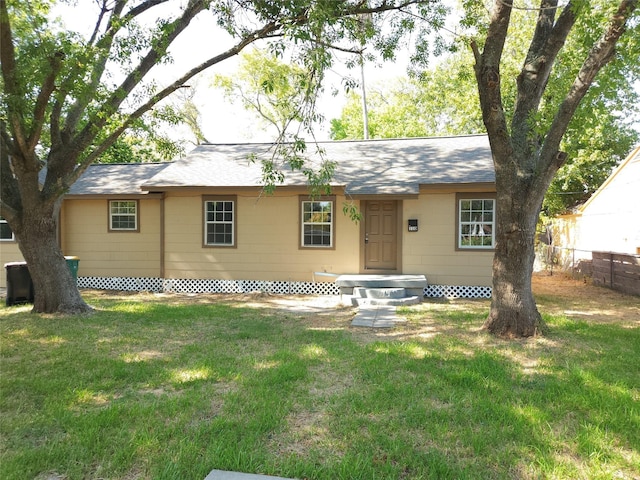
[
  {"x": 111, "y": 105},
  {"x": 111, "y": 138},
  {"x": 39, "y": 112},
  {"x": 497, "y": 32},
  {"x": 8, "y": 184},
  {"x": 143, "y": 7},
  {"x": 548, "y": 39},
  {"x": 601, "y": 53},
  {"x": 103, "y": 46},
  {"x": 9, "y": 77},
  {"x": 117, "y": 20},
  {"x": 487, "y": 70},
  {"x": 96, "y": 29}
]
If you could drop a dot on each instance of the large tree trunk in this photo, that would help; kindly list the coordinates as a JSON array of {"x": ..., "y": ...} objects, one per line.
[
  {"x": 525, "y": 158},
  {"x": 55, "y": 288},
  {"x": 513, "y": 310}
]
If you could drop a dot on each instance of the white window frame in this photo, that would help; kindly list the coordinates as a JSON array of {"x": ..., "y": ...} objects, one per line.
[
  {"x": 306, "y": 221},
  {"x": 117, "y": 213},
  {"x": 13, "y": 237},
  {"x": 476, "y": 221},
  {"x": 225, "y": 218}
]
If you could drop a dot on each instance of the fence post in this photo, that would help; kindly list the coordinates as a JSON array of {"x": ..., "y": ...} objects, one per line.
[{"x": 611, "y": 269}]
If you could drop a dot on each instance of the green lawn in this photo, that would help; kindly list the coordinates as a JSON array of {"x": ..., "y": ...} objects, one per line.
[{"x": 168, "y": 387}]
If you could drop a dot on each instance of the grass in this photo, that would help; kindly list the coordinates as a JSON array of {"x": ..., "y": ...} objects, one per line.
[{"x": 154, "y": 387}]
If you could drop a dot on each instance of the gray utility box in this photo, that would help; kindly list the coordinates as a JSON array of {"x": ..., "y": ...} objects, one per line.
[{"x": 19, "y": 284}]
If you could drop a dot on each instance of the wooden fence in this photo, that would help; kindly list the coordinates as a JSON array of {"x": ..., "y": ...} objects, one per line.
[{"x": 618, "y": 271}]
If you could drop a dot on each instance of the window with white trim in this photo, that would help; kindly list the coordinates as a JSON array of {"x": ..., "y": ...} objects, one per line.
[
  {"x": 6, "y": 234},
  {"x": 317, "y": 227},
  {"x": 476, "y": 223},
  {"x": 123, "y": 215},
  {"x": 219, "y": 222}
]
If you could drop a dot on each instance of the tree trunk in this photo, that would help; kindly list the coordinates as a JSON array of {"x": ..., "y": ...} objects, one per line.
[
  {"x": 526, "y": 160},
  {"x": 55, "y": 288},
  {"x": 513, "y": 310}
]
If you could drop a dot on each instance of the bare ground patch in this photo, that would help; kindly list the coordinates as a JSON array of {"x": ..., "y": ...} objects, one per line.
[
  {"x": 580, "y": 299},
  {"x": 556, "y": 294}
]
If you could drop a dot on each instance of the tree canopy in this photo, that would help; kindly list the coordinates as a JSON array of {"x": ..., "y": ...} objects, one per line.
[
  {"x": 277, "y": 91},
  {"x": 444, "y": 101}
]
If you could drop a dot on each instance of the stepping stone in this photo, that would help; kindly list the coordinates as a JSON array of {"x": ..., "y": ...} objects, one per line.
[
  {"x": 224, "y": 475},
  {"x": 376, "y": 316}
]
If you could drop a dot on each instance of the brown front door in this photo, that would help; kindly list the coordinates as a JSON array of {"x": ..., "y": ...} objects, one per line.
[{"x": 381, "y": 235}]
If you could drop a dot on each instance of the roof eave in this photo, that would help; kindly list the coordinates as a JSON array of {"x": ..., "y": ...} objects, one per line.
[
  {"x": 89, "y": 196},
  {"x": 459, "y": 187}
]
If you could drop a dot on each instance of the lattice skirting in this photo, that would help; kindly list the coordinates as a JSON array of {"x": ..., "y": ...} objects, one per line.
[
  {"x": 127, "y": 284},
  {"x": 245, "y": 286},
  {"x": 457, "y": 291},
  {"x": 208, "y": 286}
]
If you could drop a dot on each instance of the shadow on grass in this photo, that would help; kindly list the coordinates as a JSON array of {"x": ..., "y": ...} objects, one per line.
[{"x": 162, "y": 390}]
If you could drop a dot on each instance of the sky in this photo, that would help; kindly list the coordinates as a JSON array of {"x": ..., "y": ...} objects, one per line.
[{"x": 223, "y": 122}]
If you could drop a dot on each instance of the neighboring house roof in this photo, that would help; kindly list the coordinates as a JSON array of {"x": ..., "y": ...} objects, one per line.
[
  {"x": 631, "y": 168},
  {"x": 115, "y": 179},
  {"x": 396, "y": 166}
]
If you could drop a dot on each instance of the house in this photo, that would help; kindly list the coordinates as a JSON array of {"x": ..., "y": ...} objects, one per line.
[
  {"x": 204, "y": 222},
  {"x": 610, "y": 220},
  {"x": 602, "y": 238}
]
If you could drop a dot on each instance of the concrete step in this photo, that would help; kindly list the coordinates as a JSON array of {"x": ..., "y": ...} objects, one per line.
[
  {"x": 396, "y": 302},
  {"x": 381, "y": 281},
  {"x": 384, "y": 293}
]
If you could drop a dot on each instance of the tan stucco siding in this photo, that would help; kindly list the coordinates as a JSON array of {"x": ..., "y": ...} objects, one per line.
[
  {"x": 431, "y": 250},
  {"x": 85, "y": 234},
  {"x": 267, "y": 239}
]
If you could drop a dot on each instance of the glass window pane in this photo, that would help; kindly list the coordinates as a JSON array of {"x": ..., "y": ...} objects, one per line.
[
  {"x": 317, "y": 223},
  {"x": 219, "y": 222},
  {"x": 123, "y": 214},
  {"x": 475, "y": 223}
]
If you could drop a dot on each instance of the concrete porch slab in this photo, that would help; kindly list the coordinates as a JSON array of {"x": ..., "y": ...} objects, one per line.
[{"x": 382, "y": 281}]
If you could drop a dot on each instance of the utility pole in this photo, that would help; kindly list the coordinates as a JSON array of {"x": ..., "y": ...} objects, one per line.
[
  {"x": 365, "y": 113},
  {"x": 365, "y": 22}
]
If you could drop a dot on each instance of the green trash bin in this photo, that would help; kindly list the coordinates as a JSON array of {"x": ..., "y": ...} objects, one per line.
[{"x": 73, "y": 263}]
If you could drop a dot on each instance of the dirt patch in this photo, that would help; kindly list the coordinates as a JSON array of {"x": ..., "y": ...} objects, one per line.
[
  {"x": 579, "y": 298},
  {"x": 555, "y": 294}
]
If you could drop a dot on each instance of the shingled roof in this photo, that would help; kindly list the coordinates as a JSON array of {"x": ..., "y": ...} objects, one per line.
[
  {"x": 364, "y": 167},
  {"x": 116, "y": 179}
]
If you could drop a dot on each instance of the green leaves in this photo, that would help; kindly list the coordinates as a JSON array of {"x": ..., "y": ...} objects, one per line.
[
  {"x": 444, "y": 100},
  {"x": 278, "y": 92}
]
